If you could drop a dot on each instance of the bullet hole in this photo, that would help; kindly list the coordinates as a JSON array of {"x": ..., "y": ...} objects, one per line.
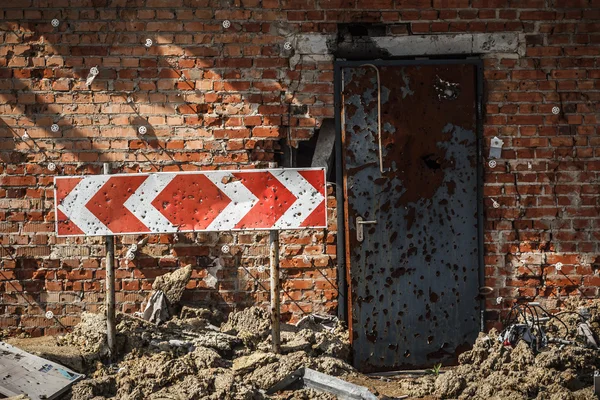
[
  {"x": 430, "y": 162},
  {"x": 446, "y": 90}
]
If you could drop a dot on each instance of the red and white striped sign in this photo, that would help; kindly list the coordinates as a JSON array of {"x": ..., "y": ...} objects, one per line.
[{"x": 190, "y": 202}]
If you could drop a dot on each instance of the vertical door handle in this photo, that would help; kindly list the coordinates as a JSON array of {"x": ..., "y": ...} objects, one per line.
[{"x": 360, "y": 236}]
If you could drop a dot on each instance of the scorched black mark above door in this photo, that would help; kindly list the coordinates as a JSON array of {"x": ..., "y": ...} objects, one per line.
[{"x": 411, "y": 186}]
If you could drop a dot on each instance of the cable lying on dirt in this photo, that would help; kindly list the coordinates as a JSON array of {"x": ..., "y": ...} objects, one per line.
[{"x": 524, "y": 322}]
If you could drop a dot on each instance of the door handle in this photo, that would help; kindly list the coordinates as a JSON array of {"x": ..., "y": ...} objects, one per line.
[{"x": 360, "y": 236}]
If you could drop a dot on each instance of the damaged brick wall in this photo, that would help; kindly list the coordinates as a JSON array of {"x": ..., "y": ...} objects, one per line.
[{"x": 228, "y": 97}]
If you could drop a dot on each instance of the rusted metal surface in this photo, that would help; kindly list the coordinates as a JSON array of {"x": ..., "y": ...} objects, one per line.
[
  {"x": 190, "y": 202},
  {"x": 414, "y": 276}
]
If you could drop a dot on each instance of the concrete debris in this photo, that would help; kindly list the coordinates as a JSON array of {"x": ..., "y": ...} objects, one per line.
[
  {"x": 214, "y": 317},
  {"x": 194, "y": 355},
  {"x": 492, "y": 370},
  {"x": 252, "y": 324},
  {"x": 189, "y": 357},
  {"x": 306, "y": 394},
  {"x": 173, "y": 284},
  {"x": 89, "y": 336}
]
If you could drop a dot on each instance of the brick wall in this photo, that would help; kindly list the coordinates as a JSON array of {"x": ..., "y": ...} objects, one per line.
[{"x": 215, "y": 97}]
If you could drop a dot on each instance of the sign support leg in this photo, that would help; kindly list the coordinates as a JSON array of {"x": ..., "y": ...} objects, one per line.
[
  {"x": 275, "y": 300},
  {"x": 111, "y": 329}
]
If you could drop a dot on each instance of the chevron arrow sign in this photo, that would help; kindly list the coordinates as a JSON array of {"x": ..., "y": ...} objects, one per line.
[{"x": 168, "y": 202}]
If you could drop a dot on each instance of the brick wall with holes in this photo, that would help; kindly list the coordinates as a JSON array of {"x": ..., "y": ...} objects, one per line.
[{"x": 215, "y": 95}]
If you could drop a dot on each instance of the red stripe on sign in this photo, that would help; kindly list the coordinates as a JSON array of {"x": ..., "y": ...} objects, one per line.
[
  {"x": 108, "y": 204},
  {"x": 64, "y": 186},
  {"x": 191, "y": 201},
  {"x": 65, "y": 226},
  {"x": 317, "y": 179},
  {"x": 273, "y": 200}
]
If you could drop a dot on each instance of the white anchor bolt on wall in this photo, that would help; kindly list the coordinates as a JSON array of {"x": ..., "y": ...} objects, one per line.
[
  {"x": 287, "y": 46},
  {"x": 142, "y": 130},
  {"x": 261, "y": 268},
  {"x": 92, "y": 75},
  {"x": 51, "y": 166},
  {"x": 49, "y": 314},
  {"x": 492, "y": 164},
  {"x": 558, "y": 266},
  {"x": 130, "y": 255},
  {"x": 25, "y": 135},
  {"x": 555, "y": 110},
  {"x": 148, "y": 42},
  {"x": 225, "y": 249},
  {"x": 55, "y": 22},
  {"x": 226, "y": 24},
  {"x": 495, "y": 203},
  {"x": 54, "y": 128},
  {"x": 498, "y": 300}
]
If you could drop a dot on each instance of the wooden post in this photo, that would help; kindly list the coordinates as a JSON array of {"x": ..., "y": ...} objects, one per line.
[
  {"x": 275, "y": 301},
  {"x": 275, "y": 290},
  {"x": 111, "y": 328}
]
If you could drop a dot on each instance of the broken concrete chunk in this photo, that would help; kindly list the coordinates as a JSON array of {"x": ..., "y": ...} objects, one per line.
[
  {"x": 216, "y": 340},
  {"x": 255, "y": 360},
  {"x": 251, "y": 324},
  {"x": 89, "y": 335},
  {"x": 173, "y": 284},
  {"x": 205, "y": 357},
  {"x": 213, "y": 316}
]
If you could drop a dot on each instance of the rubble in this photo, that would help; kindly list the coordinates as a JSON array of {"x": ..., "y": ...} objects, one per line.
[
  {"x": 252, "y": 324},
  {"x": 492, "y": 370},
  {"x": 195, "y": 355},
  {"x": 173, "y": 284},
  {"x": 189, "y": 357},
  {"x": 168, "y": 289}
]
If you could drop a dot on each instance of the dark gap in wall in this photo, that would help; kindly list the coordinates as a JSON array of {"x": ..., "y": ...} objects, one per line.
[
  {"x": 319, "y": 150},
  {"x": 306, "y": 150},
  {"x": 362, "y": 29}
]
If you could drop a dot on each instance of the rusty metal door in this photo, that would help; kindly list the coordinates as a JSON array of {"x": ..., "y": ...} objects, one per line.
[{"x": 412, "y": 211}]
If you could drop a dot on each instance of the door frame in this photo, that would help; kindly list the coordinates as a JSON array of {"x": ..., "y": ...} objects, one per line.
[{"x": 343, "y": 261}]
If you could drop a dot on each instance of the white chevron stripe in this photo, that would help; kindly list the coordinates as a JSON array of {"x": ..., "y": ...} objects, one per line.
[
  {"x": 73, "y": 206},
  {"x": 242, "y": 200},
  {"x": 140, "y": 203},
  {"x": 309, "y": 198}
]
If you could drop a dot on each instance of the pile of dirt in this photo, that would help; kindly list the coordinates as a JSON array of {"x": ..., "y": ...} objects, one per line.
[
  {"x": 186, "y": 358},
  {"x": 494, "y": 371}
]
